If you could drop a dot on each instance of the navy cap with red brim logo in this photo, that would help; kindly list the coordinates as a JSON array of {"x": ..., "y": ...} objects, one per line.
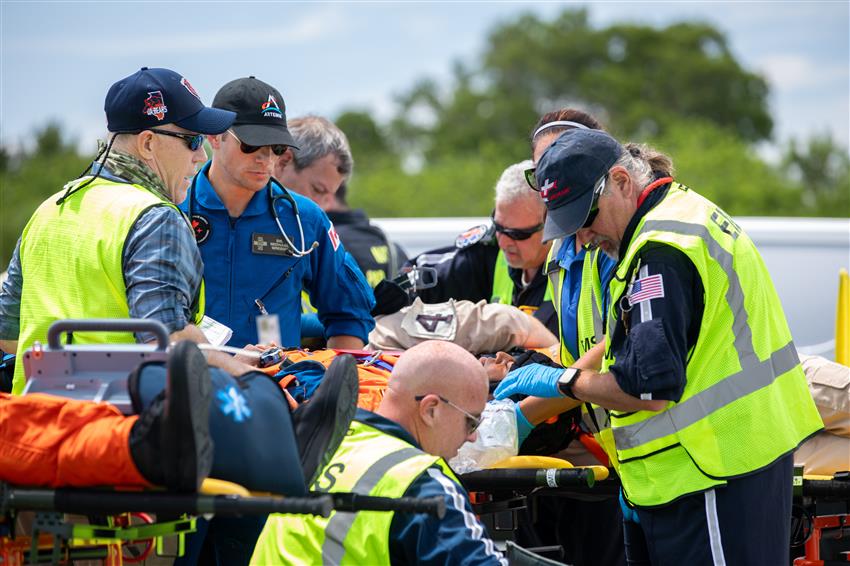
[
  {"x": 567, "y": 173},
  {"x": 153, "y": 97}
]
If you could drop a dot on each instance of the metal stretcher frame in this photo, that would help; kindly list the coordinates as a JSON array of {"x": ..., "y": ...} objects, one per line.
[
  {"x": 51, "y": 504},
  {"x": 497, "y": 492},
  {"x": 99, "y": 373}
]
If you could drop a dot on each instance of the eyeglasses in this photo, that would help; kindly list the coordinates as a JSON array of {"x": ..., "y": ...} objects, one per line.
[
  {"x": 472, "y": 422},
  {"x": 516, "y": 233},
  {"x": 193, "y": 141},
  {"x": 530, "y": 178},
  {"x": 594, "y": 204},
  {"x": 277, "y": 149}
]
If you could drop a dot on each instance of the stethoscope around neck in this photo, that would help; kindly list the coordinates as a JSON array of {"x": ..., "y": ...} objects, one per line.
[{"x": 273, "y": 198}]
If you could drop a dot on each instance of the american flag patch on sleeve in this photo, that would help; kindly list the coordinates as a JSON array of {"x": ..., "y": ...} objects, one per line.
[{"x": 646, "y": 289}]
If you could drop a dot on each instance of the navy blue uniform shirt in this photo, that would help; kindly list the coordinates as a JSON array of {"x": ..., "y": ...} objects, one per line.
[
  {"x": 652, "y": 356},
  {"x": 245, "y": 259}
]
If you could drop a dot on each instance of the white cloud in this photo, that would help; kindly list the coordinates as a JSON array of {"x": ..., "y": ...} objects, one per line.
[
  {"x": 312, "y": 27},
  {"x": 788, "y": 71}
]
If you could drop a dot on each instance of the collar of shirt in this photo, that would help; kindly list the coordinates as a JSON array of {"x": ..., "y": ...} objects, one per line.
[
  {"x": 386, "y": 426},
  {"x": 206, "y": 196},
  {"x": 648, "y": 204},
  {"x": 567, "y": 254}
]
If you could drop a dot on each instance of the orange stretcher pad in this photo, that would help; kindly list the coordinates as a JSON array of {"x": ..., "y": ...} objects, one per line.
[{"x": 373, "y": 371}]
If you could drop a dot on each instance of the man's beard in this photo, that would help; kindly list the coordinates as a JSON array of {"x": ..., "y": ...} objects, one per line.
[{"x": 611, "y": 248}]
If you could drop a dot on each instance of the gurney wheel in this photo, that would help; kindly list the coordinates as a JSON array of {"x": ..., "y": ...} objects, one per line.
[{"x": 136, "y": 551}]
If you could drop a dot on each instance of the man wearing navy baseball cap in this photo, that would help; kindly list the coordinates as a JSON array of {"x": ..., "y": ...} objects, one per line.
[
  {"x": 112, "y": 244},
  {"x": 706, "y": 396}
]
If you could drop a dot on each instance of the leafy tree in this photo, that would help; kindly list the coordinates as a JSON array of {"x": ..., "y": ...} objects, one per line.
[
  {"x": 30, "y": 176},
  {"x": 368, "y": 141},
  {"x": 823, "y": 170},
  {"x": 637, "y": 78},
  {"x": 723, "y": 168}
]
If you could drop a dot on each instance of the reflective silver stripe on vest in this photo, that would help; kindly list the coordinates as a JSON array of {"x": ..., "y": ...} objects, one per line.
[
  {"x": 734, "y": 294},
  {"x": 737, "y": 385},
  {"x": 597, "y": 316},
  {"x": 599, "y": 416},
  {"x": 333, "y": 549},
  {"x": 754, "y": 374},
  {"x": 554, "y": 274}
]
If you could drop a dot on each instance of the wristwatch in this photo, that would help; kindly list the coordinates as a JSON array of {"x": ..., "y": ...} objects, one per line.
[{"x": 567, "y": 380}]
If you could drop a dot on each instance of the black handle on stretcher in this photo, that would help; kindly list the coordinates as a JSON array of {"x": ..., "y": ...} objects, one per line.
[
  {"x": 107, "y": 325},
  {"x": 90, "y": 501},
  {"x": 353, "y": 502},
  {"x": 826, "y": 488},
  {"x": 527, "y": 478}
]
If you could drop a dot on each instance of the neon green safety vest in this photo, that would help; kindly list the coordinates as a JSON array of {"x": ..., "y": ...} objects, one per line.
[
  {"x": 71, "y": 262},
  {"x": 503, "y": 285},
  {"x": 368, "y": 462},
  {"x": 589, "y": 312},
  {"x": 589, "y": 326},
  {"x": 746, "y": 402},
  {"x": 306, "y": 306}
]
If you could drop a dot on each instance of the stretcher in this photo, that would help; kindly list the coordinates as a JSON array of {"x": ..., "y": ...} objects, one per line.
[
  {"x": 128, "y": 526},
  {"x": 820, "y": 524}
]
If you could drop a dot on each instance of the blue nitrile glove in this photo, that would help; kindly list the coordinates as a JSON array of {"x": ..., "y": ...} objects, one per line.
[
  {"x": 629, "y": 513},
  {"x": 523, "y": 427},
  {"x": 535, "y": 380}
]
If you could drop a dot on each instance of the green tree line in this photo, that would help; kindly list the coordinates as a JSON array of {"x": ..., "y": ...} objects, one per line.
[{"x": 678, "y": 88}]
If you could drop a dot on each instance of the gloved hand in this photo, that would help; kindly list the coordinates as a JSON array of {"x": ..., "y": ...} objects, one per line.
[
  {"x": 629, "y": 513},
  {"x": 523, "y": 427},
  {"x": 535, "y": 380}
]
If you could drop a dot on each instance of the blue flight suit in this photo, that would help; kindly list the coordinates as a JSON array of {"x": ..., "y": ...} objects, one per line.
[{"x": 246, "y": 259}]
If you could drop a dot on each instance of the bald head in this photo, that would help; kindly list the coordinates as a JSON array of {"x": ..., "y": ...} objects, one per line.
[
  {"x": 451, "y": 385},
  {"x": 437, "y": 366}
]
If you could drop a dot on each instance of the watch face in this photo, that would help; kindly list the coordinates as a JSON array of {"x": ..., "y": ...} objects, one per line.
[{"x": 568, "y": 376}]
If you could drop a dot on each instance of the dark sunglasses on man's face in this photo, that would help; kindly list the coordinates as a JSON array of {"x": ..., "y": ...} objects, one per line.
[
  {"x": 594, "y": 204},
  {"x": 516, "y": 233},
  {"x": 193, "y": 141},
  {"x": 277, "y": 149}
]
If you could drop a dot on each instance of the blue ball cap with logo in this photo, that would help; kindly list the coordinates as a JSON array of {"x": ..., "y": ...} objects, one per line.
[
  {"x": 567, "y": 173},
  {"x": 154, "y": 97}
]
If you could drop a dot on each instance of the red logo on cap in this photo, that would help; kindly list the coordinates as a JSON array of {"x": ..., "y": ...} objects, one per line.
[
  {"x": 155, "y": 105},
  {"x": 270, "y": 108},
  {"x": 190, "y": 88},
  {"x": 550, "y": 186}
]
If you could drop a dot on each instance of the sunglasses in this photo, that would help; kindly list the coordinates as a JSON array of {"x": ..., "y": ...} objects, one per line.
[
  {"x": 530, "y": 178},
  {"x": 472, "y": 422},
  {"x": 594, "y": 204},
  {"x": 516, "y": 233},
  {"x": 193, "y": 141},
  {"x": 277, "y": 148}
]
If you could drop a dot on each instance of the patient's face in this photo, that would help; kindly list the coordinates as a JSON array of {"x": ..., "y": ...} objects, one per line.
[{"x": 497, "y": 368}]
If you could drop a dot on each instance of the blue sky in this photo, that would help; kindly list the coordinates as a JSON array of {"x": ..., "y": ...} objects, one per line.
[{"x": 57, "y": 59}]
